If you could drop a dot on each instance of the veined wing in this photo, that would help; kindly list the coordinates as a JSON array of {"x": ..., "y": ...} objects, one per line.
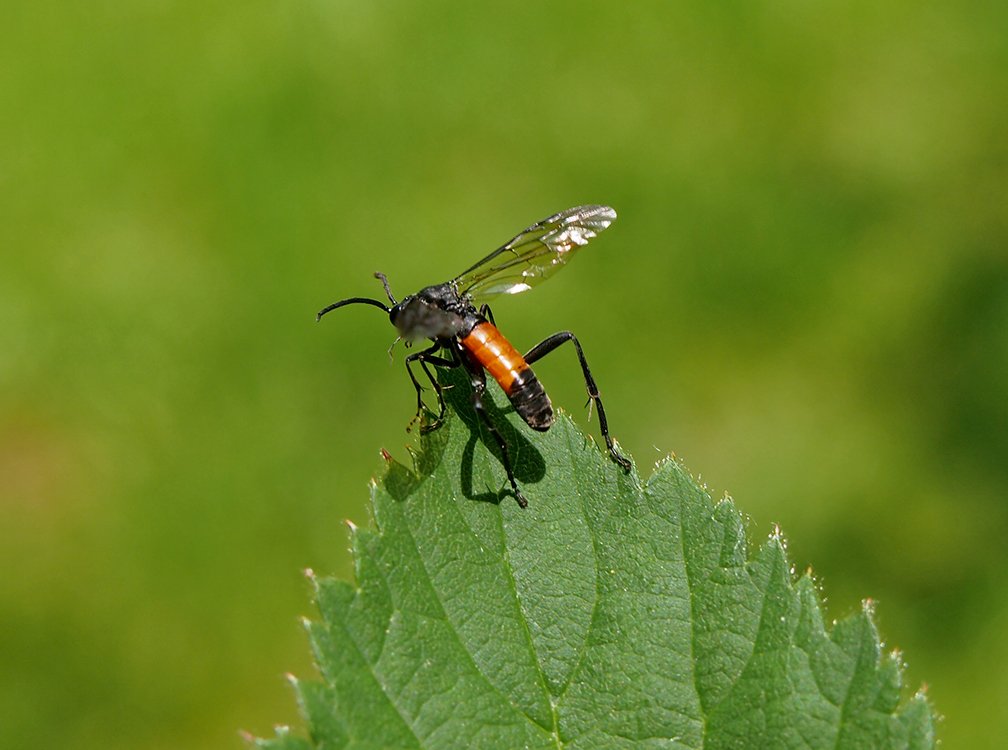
[{"x": 535, "y": 254}]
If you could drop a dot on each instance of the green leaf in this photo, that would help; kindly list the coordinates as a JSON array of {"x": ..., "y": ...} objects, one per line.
[{"x": 609, "y": 614}]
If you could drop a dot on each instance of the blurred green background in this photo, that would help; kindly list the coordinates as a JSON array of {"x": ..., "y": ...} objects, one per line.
[{"x": 805, "y": 297}]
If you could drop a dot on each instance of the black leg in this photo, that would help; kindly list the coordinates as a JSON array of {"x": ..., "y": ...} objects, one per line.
[
  {"x": 478, "y": 380},
  {"x": 425, "y": 363},
  {"x": 487, "y": 313},
  {"x": 543, "y": 348},
  {"x": 427, "y": 356}
]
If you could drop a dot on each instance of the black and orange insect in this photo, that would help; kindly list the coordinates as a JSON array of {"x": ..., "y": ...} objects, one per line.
[{"x": 466, "y": 336}]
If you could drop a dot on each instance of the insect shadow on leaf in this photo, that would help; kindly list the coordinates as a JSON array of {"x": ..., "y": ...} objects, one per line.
[{"x": 529, "y": 465}]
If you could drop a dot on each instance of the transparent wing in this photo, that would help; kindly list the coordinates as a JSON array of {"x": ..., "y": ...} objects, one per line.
[{"x": 535, "y": 254}]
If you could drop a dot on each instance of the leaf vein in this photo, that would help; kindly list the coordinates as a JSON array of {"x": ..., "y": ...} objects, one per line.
[
  {"x": 525, "y": 627},
  {"x": 454, "y": 630},
  {"x": 598, "y": 594},
  {"x": 692, "y": 621}
]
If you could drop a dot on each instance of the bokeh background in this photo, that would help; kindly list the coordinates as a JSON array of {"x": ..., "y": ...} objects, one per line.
[{"x": 805, "y": 297}]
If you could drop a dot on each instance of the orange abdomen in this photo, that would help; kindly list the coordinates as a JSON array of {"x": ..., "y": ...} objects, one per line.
[{"x": 504, "y": 363}]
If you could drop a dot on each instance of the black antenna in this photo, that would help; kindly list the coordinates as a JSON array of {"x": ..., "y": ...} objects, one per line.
[
  {"x": 352, "y": 301},
  {"x": 381, "y": 277},
  {"x": 362, "y": 300}
]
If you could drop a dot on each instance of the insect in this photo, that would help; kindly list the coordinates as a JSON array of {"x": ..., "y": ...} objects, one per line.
[{"x": 466, "y": 336}]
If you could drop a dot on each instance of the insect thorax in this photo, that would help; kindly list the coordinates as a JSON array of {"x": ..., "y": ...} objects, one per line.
[{"x": 436, "y": 312}]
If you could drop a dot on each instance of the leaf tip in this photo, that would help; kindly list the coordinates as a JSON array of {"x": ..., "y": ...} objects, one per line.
[
  {"x": 778, "y": 538},
  {"x": 665, "y": 459}
]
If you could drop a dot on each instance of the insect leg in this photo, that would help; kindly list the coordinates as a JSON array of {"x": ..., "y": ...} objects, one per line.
[
  {"x": 487, "y": 313},
  {"x": 427, "y": 355},
  {"x": 429, "y": 359},
  {"x": 543, "y": 348},
  {"x": 478, "y": 380}
]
